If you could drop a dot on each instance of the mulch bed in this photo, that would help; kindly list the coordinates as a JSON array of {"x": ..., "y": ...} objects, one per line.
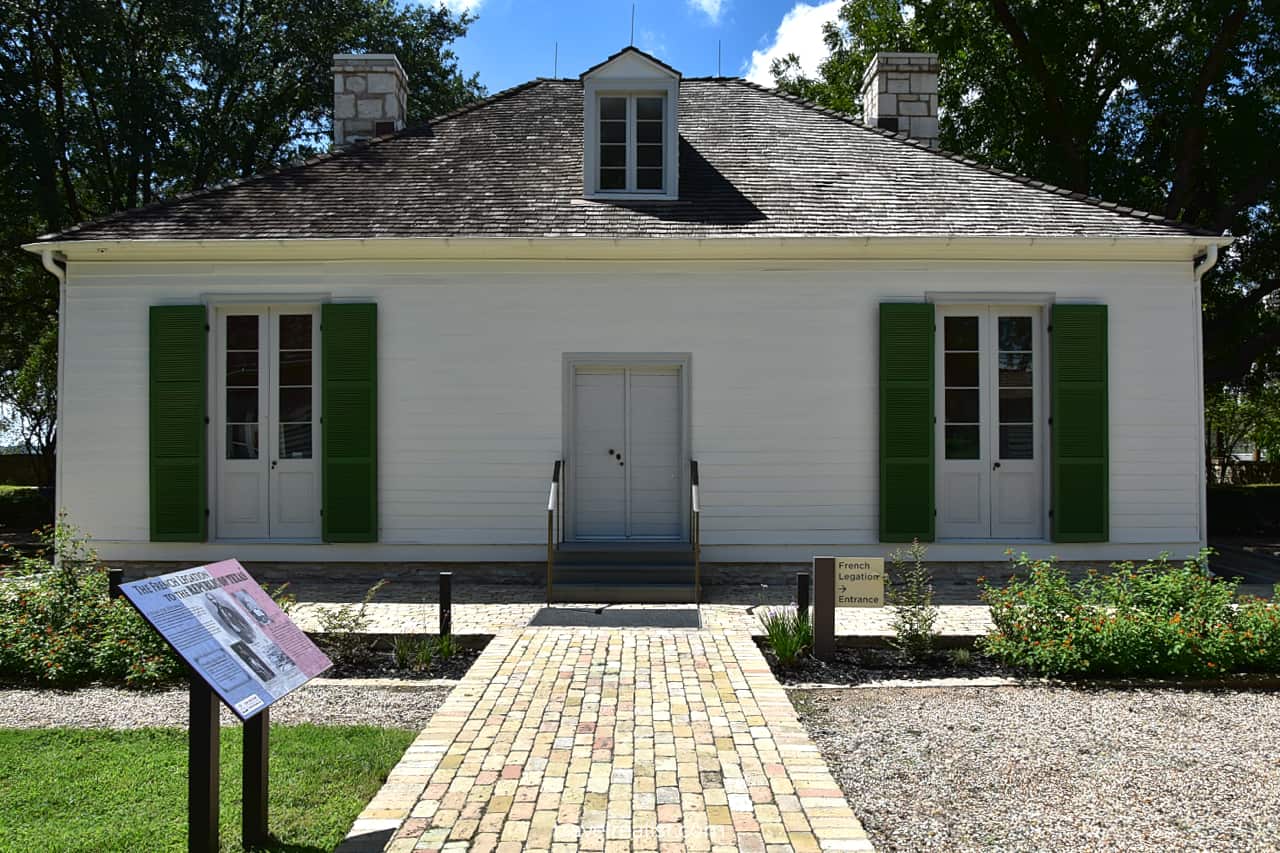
[
  {"x": 381, "y": 663},
  {"x": 869, "y": 665}
]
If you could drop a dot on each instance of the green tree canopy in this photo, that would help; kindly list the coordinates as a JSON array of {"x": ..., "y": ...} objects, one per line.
[
  {"x": 1171, "y": 106},
  {"x": 107, "y": 105}
]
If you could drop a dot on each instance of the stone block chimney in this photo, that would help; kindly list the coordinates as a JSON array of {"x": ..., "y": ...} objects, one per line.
[
  {"x": 900, "y": 93},
  {"x": 370, "y": 96}
]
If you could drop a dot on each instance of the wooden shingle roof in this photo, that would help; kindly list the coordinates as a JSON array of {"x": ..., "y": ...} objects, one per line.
[{"x": 753, "y": 163}]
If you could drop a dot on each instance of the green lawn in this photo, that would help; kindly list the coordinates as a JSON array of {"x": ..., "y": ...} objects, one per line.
[{"x": 103, "y": 790}]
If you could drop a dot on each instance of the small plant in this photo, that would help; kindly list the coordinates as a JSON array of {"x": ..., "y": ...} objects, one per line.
[
  {"x": 344, "y": 630},
  {"x": 960, "y": 658},
  {"x": 413, "y": 652},
  {"x": 788, "y": 632},
  {"x": 910, "y": 595},
  {"x": 446, "y": 647},
  {"x": 281, "y": 595}
]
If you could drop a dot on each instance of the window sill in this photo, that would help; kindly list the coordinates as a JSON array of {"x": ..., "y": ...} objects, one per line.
[{"x": 630, "y": 197}]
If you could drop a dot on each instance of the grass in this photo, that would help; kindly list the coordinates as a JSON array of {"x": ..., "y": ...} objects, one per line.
[{"x": 103, "y": 790}]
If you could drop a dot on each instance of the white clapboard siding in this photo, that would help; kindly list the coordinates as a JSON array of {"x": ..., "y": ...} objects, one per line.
[{"x": 783, "y": 395}]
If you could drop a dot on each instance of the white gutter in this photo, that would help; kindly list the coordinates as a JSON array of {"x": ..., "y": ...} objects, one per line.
[
  {"x": 1197, "y": 335},
  {"x": 60, "y": 273},
  {"x": 1210, "y": 259},
  {"x": 902, "y": 247}
]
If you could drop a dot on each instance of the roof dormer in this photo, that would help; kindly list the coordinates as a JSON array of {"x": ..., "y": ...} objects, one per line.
[{"x": 630, "y": 128}]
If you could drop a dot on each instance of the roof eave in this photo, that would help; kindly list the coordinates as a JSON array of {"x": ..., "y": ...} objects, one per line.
[{"x": 1166, "y": 248}]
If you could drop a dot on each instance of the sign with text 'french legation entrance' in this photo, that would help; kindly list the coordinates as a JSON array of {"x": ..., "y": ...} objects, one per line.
[
  {"x": 859, "y": 581},
  {"x": 230, "y": 632}
]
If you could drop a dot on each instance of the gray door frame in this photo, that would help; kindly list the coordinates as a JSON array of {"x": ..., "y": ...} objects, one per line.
[{"x": 570, "y": 362}]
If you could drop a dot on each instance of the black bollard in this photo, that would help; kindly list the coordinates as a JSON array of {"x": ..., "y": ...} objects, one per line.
[
  {"x": 115, "y": 577},
  {"x": 802, "y": 593},
  {"x": 446, "y": 603}
]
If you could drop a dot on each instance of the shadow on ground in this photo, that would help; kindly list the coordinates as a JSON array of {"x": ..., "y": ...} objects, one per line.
[{"x": 608, "y": 617}]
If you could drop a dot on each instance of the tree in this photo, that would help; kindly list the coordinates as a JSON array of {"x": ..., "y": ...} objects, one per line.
[
  {"x": 106, "y": 105},
  {"x": 1234, "y": 418},
  {"x": 1170, "y": 106}
]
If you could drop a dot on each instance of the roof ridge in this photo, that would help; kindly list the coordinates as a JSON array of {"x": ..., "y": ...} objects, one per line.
[
  {"x": 294, "y": 165},
  {"x": 1075, "y": 195}
]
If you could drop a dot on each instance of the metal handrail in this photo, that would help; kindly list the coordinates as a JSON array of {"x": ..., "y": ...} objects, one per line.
[
  {"x": 553, "y": 504},
  {"x": 695, "y": 529}
]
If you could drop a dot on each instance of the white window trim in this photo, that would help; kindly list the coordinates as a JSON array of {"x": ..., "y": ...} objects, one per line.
[{"x": 631, "y": 88}]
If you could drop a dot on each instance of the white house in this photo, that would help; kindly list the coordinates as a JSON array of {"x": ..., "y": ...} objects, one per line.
[{"x": 381, "y": 354}]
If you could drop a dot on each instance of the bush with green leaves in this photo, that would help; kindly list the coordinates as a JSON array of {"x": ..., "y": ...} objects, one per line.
[
  {"x": 910, "y": 598},
  {"x": 344, "y": 630},
  {"x": 1157, "y": 619},
  {"x": 788, "y": 632},
  {"x": 58, "y": 627}
]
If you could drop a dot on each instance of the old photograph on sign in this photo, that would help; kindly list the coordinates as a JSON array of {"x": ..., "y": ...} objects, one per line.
[
  {"x": 232, "y": 634},
  {"x": 859, "y": 582}
]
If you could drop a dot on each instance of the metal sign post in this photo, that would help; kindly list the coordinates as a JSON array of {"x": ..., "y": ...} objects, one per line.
[
  {"x": 254, "y": 776},
  {"x": 202, "y": 768},
  {"x": 824, "y": 607}
]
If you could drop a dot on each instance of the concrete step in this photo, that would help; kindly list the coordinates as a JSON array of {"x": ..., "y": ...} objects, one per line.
[
  {"x": 623, "y": 593},
  {"x": 603, "y": 553}
]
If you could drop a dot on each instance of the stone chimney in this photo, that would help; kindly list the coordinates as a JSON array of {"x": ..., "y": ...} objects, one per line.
[
  {"x": 370, "y": 96},
  {"x": 900, "y": 93}
]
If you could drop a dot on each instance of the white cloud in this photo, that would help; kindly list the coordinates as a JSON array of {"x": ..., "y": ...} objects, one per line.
[
  {"x": 653, "y": 43},
  {"x": 459, "y": 6},
  {"x": 800, "y": 33},
  {"x": 710, "y": 8}
]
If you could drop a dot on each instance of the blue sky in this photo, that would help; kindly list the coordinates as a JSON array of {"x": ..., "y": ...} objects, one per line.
[{"x": 514, "y": 41}]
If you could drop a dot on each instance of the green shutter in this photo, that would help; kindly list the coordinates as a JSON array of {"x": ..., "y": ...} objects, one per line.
[
  {"x": 179, "y": 343},
  {"x": 349, "y": 421},
  {"x": 1081, "y": 482},
  {"x": 906, "y": 422}
]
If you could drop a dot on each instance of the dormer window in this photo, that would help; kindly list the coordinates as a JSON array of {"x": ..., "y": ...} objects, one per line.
[{"x": 630, "y": 141}]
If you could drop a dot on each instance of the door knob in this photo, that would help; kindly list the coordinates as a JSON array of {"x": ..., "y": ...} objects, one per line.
[
  {"x": 610, "y": 451},
  {"x": 995, "y": 465}
]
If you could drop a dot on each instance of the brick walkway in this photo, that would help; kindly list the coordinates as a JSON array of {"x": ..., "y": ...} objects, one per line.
[{"x": 582, "y": 739}]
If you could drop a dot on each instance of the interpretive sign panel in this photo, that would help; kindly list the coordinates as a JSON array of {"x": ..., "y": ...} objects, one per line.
[
  {"x": 859, "y": 582},
  {"x": 231, "y": 633}
]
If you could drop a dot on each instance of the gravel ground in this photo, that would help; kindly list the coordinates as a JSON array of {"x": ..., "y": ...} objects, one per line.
[
  {"x": 1038, "y": 768},
  {"x": 327, "y": 704}
]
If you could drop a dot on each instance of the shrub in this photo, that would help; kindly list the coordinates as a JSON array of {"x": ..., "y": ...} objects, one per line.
[
  {"x": 910, "y": 595},
  {"x": 1155, "y": 619},
  {"x": 788, "y": 632},
  {"x": 344, "y": 628},
  {"x": 57, "y": 626}
]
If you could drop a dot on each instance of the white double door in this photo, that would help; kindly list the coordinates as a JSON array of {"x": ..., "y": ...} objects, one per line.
[
  {"x": 267, "y": 433},
  {"x": 990, "y": 426},
  {"x": 626, "y": 465}
]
